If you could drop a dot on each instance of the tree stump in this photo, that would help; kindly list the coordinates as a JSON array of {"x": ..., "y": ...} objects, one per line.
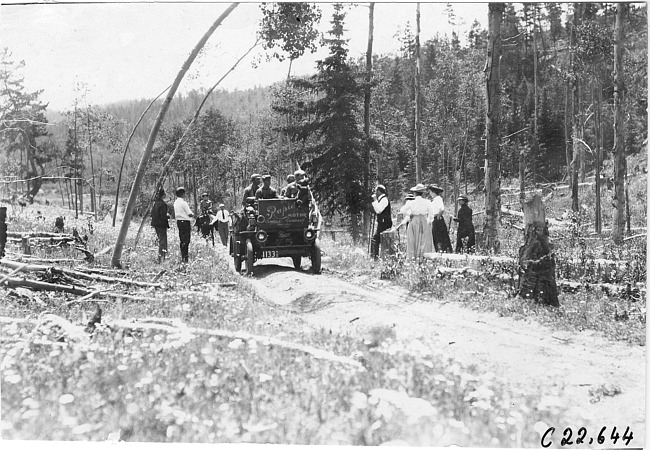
[
  {"x": 536, "y": 261},
  {"x": 388, "y": 243},
  {"x": 3, "y": 230}
]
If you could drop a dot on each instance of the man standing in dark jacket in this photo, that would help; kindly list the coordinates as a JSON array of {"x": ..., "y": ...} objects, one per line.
[
  {"x": 381, "y": 205},
  {"x": 465, "y": 227},
  {"x": 160, "y": 223}
]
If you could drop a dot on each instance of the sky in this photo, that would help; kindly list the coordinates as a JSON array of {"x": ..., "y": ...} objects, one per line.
[{"x": 133, "y": 50}]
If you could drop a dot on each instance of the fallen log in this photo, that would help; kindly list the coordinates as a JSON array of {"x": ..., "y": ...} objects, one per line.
[
  {"x": 43, "y": 286},
  {"x": 566, "y": 285},
  {"x": 469, "y": 258},
  {"x": 20, "y": 257},
  {"x": 13, "y": 272},
  {"x": 225, "y": 334},
  {"x": 476, "y": 260},
  {"x": 77, "y": 274},
  {"x": 49, "y": 240},
  {"x": 70, "y": 289},
  {"x": 37, "y": 234},
  {"x": 519, "y": 214}
]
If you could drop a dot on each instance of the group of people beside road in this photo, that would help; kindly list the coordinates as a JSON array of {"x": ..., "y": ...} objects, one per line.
[
  {"x": 260, "y": 188},
  {"x": 182, "y": 213},
  {"x": 426, "y": 229}
]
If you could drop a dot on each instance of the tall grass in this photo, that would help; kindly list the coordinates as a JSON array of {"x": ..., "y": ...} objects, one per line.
[{"x": 151, "y": 386}]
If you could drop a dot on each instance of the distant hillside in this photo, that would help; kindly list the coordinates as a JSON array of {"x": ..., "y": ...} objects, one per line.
[{"x": 238, "y": 105}]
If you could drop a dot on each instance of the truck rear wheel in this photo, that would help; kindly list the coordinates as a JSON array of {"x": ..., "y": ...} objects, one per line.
[
  {"x": 315, "y": 257},
  {"x": 250, "y": 257}
]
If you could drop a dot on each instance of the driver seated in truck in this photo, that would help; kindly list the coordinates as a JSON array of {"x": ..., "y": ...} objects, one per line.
[{"x": 266, "y": 191}]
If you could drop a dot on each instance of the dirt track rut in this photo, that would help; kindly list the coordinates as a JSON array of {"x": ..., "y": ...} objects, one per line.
[{"x": 524, "y": 354}]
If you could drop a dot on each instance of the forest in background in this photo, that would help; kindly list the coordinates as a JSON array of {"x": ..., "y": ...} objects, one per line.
[{"x": 557, "y": 112}]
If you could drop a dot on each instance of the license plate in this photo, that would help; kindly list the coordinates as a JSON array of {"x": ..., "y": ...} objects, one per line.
[{"x": 269, "y": 254}]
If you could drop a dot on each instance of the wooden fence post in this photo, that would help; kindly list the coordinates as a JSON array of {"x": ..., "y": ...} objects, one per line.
[{"x": 536, "y": 261}]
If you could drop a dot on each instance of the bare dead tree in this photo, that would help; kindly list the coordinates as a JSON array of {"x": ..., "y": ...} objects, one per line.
[{"x": 128, "y": 213}]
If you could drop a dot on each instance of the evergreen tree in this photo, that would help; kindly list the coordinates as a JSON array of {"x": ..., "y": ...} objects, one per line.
[
  {"x": 333, "y": 141},
  {"x": 23, "y": 126}
]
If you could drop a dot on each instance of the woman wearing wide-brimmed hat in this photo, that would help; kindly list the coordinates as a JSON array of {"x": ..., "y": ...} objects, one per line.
[
  {"x": 441, "y": 240},
  {"x": 418, "y": 235},
  {"x": 465, "y": 227}
]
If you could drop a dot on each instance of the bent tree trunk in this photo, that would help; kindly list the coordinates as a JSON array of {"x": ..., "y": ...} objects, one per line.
[
  {"x": 536, "y": 262},
  {"x": 128, "y": 213}
]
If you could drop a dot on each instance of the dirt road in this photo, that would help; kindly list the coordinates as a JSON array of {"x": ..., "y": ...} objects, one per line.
[{"x": 524, "y": 354}]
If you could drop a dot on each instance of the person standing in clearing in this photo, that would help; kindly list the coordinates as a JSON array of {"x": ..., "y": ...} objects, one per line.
[
  {"x": 420, "y": 210},
  {"x": 441, "y": 241},
  {"x": 160, "y": 223},
  {"x": 381, "y": 205},
  {"x": 223, "y": 221},
  {"x": 465, "y": 227},
  {"x": 206, "y": 203},
  {"x": 183, "y": 215}
]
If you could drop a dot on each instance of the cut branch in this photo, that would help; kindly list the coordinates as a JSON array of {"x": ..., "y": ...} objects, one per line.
[{"x": 76, "y": 274}]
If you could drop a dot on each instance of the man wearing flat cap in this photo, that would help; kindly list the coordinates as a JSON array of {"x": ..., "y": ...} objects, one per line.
[
  {"x": 266, "y": 191},
  {"x": 256, "y": 180},
  {"x": 466, "y": 237},
  {"x": 160, "y": 223},
  {"x": 381, "y": 206},
  {"x": 223, "y": 223}
]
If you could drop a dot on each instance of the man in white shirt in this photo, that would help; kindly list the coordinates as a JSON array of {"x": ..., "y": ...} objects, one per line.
[
  {"x": 381, "y": 205},
  {"x": 183, "y": 215},
  {"x": 223, "y": 220}
]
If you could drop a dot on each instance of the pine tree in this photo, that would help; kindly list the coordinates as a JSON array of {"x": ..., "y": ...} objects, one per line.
[{"x": 333, "y": 141}]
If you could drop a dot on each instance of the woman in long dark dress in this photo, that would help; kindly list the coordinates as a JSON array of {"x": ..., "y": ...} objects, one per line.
[
  {"x": 465, "y": 227},
  {"x": 441, "y": 240}
]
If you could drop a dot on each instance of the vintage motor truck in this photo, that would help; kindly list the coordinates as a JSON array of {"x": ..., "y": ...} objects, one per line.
[{"x": 275, "y": 228}]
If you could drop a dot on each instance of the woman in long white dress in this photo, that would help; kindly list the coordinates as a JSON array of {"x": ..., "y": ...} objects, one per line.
[{"x": 419, "y": 239}]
